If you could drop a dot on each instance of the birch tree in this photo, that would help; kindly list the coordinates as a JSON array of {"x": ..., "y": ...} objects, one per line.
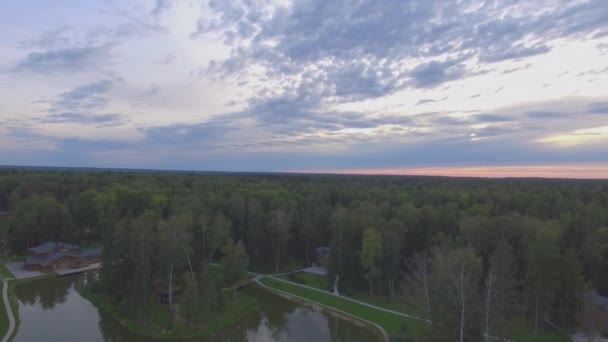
[
  {"x": 499, "y": 288},
  {"x": 280, "y": 220},
  {"x": 371, "y": 252},
  {"x": 174, "y": 238},
  {"x": 541, "y": 276},
  {"x": 464, "y": 278},
  {"x": 418, "y": 275}
]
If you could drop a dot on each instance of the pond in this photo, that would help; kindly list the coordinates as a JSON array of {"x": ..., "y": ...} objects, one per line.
[{"x": 52, "y": 310}]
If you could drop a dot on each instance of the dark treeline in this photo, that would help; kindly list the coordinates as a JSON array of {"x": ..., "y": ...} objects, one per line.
[{"x": 475, "y": 253}]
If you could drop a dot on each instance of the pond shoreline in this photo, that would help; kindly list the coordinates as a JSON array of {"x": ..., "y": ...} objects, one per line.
[
  {"x": 329, "y": 310},
  {"x": 137, "y": 329},
  {"x": 47, "y": 308}
]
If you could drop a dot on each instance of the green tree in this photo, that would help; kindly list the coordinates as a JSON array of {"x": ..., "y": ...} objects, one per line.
[
  {"x": 543, "y": 258},
  {"x": 371, "y": 254},
  {"x": 42, "y": 219},
  {"x": 211, "y": 294},
  {"x": 499, "y": 295},
  {"x": 174, "y": 240},
  {"x": 280, "y": 224},
  {"x": 235, "y": 262},
  {"x": 568, "y": 301},
  {"x": 217, "y": 234},
  {"x": 391, "y": 258},
  {"x": 189, "y": 301},
  {"x": 85, "y": 212}
]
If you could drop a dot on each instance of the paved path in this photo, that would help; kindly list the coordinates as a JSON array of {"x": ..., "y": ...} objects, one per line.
[
  {"x": 355, "y": 301},
  {"x": 382, "y": 331},
  {"x": 258, "y": 277},
  {"x": 9, "y": 312},
  {"x": 315, "y": 270},
  {"x": 17, "y": 269}
]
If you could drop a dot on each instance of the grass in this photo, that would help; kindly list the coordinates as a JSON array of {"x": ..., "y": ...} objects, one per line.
[
  {"x": 313, "y": 280},
  {"x": 545, "y": 336},
  {"x": 3, "y": 317},
  {"x": 393, "y": 324},
  {"x": 397, "y": 303},
  {"x": 5, "y": 273}
]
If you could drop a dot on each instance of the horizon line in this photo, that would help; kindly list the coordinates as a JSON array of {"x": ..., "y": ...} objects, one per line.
[{"x": 545, "y": 171}]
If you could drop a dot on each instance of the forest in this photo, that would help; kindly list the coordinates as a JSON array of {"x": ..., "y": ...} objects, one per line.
[{"x": 478, "y": 257}]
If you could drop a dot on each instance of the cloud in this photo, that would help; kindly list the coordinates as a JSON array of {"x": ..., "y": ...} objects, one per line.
[
  {"x": 434, "y": 73},
  {"x": 168, "y": 59},
  {"x": 49, "y": 39},
  {"x": 598, "y": 108},
  {"x": 539, "y": 114},
  {"x": 362, "y": 47},
  {"x": 68, "y": 60},
  {"x": 160, "y": 7},
  {"x": 86, "y": 97},
  {"x": 423, "y": 101},
  {"x": 84, "y": 118},
  {"x": 493, "y": 118}
]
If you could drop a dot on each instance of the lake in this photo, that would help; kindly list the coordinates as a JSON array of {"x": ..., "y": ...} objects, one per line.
[{"x": 52, "y": 310}]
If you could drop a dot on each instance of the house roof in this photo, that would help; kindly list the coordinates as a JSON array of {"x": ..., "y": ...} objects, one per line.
[
  {"x": 32, "y": 260},
  {"x": 51, "y": 245},
  {"x": 89, "y": 252},
  {"x": 601, "y": 301},
  {"x": 322, "y": 250},
  {"x": 46, "y": 260}
]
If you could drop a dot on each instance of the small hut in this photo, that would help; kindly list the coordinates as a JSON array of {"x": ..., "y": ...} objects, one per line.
[{"x": 322, "y": 255}]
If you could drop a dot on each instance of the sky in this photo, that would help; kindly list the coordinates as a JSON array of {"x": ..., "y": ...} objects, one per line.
[{"x": 462, "y": 88}]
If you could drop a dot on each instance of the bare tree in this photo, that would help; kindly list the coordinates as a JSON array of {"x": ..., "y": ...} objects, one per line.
[
  {"x": 498, "y": 289},
  {"x": 464, "y": 279},
  {"x": 489, "y": 299},
  {"x": 418, "y": 275}
]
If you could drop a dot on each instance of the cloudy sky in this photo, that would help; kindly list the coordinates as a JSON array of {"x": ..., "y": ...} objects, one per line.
[{"x": 463, "y": 87}]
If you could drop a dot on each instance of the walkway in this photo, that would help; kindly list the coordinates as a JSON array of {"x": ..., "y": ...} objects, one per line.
[
  {"x": 9, "y": 312},
  {"x": 18, "y": 270},
  {"x": 315, "y": 270},
  {"x": 354, "y": 300},
  {"x": 260, "y": 277}
]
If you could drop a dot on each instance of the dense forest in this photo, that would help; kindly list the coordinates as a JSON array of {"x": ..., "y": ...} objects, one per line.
[{"x": 476, "y": 254}]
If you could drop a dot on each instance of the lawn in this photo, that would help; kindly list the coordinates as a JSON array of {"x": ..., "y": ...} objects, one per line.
[
  {"x": 546, "y": 336},
  {"x": 3, "y": 318},
  {"x": 4, "y": 272},
  {"x": 313, "y": 280},
  {"x": 393, "y": 324},
  {"x": 397, "y": 303}
]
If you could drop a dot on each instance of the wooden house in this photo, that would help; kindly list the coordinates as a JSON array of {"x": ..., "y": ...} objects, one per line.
[{"x": 51, "y": 256}]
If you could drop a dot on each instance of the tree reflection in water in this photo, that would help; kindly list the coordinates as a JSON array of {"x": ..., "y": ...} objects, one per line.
[
  {"x": 53, "y": 310},
  {"x": 47, "y": 292}
]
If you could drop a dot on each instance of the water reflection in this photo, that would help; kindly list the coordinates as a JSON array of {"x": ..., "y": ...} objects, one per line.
[{"x": 52, "y": 310}]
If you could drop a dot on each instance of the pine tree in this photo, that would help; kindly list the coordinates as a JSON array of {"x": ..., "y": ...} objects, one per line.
[{"x": 569, "y": 300}]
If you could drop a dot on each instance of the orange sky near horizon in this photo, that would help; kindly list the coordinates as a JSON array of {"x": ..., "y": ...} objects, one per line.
[{"x": 595, "y": 171}]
